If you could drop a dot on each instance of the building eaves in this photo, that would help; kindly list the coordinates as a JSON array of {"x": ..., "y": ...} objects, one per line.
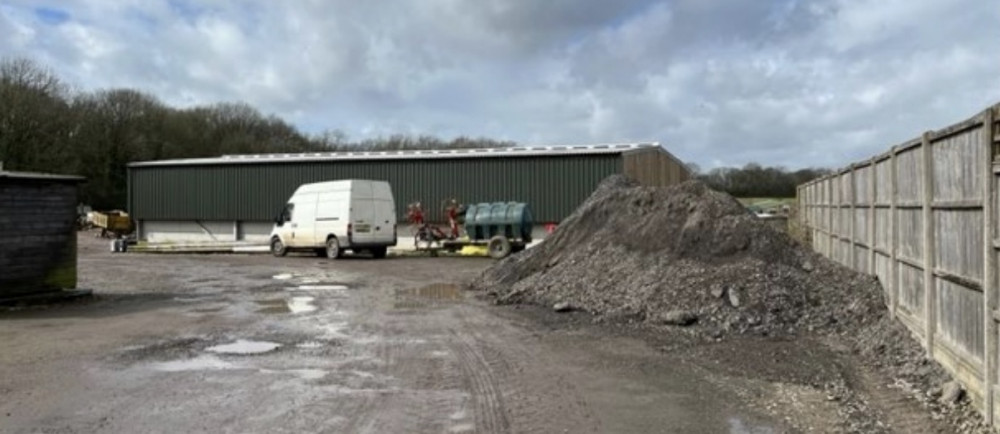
[
  {"x": 513, "y": 152},
  {"x": 41, "y": 176}
]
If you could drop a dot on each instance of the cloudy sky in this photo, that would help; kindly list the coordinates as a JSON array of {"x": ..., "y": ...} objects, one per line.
[{"x": 790, "y": 82}]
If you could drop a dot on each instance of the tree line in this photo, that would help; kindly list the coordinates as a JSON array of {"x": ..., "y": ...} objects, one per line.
[
  {"x": 47, "y": 127},
  {"x": 754, "y": 180}
]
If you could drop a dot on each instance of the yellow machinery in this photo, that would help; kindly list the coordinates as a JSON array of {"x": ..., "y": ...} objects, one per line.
[{"x": 116, "y": 223}]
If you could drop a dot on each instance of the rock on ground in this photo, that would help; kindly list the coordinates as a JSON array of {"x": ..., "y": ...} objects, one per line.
[
  {"x": 678, "y": 318},
  {"x": 562, "y": 307}
]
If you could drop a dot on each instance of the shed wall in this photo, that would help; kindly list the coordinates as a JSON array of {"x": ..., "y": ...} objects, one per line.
[{"x": 37, "y": 236}]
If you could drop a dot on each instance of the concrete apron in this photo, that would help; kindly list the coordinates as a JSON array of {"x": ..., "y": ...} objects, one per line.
[{"x": 404, "y": 247}]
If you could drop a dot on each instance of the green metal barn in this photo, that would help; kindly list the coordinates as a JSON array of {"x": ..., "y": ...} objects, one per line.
[{"x": 235, "y": 198}]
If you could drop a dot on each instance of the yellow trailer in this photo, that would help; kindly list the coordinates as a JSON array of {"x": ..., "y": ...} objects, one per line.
[{"x": 116, "y": 222}]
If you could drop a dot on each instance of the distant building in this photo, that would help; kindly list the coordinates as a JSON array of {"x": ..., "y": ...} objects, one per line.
[
  {"x": 235, "y": 198},
  {"x": 38, "y": 215}
]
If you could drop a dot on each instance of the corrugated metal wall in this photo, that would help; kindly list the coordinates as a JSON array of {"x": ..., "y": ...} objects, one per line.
[{"x": 553, "y": 185}]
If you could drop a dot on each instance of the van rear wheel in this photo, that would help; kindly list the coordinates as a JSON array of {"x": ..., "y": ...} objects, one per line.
[
  {"x": 333, "y": 250},
  {"x": 379, "y": 252}
]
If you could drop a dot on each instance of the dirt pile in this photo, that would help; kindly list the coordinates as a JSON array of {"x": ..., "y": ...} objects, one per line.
[
  {"x": 684, "y": 255},
  {"x": 694, "y": 259}
]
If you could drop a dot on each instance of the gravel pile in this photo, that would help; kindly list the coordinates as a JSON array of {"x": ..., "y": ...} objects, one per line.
[
  {"x": 696, "y": 260},
  {"x": 684, "y": 255}
]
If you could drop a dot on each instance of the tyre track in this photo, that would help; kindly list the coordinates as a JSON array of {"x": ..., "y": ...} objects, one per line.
[
  {"x": 903, "y": 413},
  {"x": 487, "y": 397}
]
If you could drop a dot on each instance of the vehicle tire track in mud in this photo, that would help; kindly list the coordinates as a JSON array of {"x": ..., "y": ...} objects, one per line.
[
  {"x": 487, "y": 396},
  {"x": 360, "y": 417},
  {"x": 902, "y": 413},
  {"x": 523, "y": 387}
]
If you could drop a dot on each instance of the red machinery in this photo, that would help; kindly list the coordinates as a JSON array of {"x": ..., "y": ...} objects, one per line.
[
  {"x": 430, "y": 234},
  {"x": 451, "y": 210}
]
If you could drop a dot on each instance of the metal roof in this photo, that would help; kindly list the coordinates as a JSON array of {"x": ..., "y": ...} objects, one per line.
[
  {"x": 407, "y": 155},
  {"x": 41, "y": 176}
]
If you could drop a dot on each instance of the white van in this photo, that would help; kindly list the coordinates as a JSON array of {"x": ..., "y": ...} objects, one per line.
[{"x": 333, "y": 217}]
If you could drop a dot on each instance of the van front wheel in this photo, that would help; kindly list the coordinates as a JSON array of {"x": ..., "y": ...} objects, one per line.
[
  {"x": 333, "y": 248},
  {"x": 278, "y": 248}
]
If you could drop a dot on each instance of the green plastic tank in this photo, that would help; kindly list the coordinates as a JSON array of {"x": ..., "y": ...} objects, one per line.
[{"x": 509, "y": 219}]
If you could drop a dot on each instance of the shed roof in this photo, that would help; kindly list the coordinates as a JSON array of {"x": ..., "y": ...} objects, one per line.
[
  {"x": 36, "y": 176},
  {"x": 520, "y": 151}
]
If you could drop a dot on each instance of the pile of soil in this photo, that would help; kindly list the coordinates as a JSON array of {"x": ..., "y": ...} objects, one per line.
[
  {"x": 684, "y": 255},
  {"x": 697, "y": 260}
]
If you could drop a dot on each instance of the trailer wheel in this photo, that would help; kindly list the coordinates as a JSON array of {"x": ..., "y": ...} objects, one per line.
[
  {"x": 278, "y": 248},
  {"x": 499, "y": 247},
  {"x": 333, "y": 250}
]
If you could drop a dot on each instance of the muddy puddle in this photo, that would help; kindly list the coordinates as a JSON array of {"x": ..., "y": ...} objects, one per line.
[
  {"x": 200, "y": 363},
  {"x": 425, "y": 296},
  {"x": 245, "y": 347},
  {"x": 208, "y": 310},
  {"x": 273, "y": 307},
  {"x": 278, "y": 306},
  {"x": 324, "y": 287}
]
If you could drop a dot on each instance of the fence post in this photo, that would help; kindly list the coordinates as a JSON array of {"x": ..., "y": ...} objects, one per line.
[
  {"x": 893, "y": 229},
  {"x": 829, "y": 218},
  {"x": 989, "y": 267},
  {"x": 930, "y": 296},
  {"x": 802, "y": 207},
  {"x": 852, "y": 234},
  {"x": 871, "y": 217}
]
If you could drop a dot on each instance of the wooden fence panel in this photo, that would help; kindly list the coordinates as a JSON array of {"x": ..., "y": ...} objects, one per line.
[
  {"x": 844, "y": 252},
  {"x": 861, "y": 259},
  {"x": 883, "y": 229},
  {"x": 911, "y": 289},
  {"x": 960, "y": 318},
  {"x": 923, "y": 219},
  {"x": 911, "y": 238},
  {"x": 909, "y": 183},
  {"x": 954, "y": 155},
  {"x": 883, "y": 270},
  {"x": 958, "y": 238},
  {"x": 862, "y": 178},
  {"x": 883, "y": 180}
]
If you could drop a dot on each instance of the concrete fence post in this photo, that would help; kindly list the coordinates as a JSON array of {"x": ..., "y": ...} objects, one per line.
[
  {"x": 893, "y": 234},
  {"x": 852, "y": 231},
  {"x": 872, "y": 189},
  {"x": 838, "y": 230},
  {"x": 930, "y": 293},
  {"x": 989, "y": 267}
]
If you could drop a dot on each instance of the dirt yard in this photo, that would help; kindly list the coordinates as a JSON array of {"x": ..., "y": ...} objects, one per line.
[{"x": 253, "y": 343}]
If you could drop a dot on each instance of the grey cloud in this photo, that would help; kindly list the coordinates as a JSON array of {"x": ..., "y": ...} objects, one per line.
[{"x": 792, "y": 82}]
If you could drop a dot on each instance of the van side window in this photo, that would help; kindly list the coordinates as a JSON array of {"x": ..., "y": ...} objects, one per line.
[{"x": 286, "y": 215}]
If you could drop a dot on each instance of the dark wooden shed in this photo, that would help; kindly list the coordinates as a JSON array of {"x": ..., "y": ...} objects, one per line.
[{"x": 37, "y": 233}]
